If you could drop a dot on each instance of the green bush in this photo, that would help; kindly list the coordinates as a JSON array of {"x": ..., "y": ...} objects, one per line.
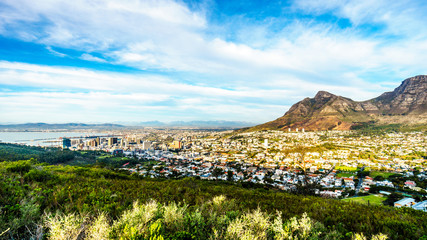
[
  {"x": 38, "y": 175},
  {"x": 21, "y": 167},
  {"x": 146, "y": 221},
  {"x": 204, "y": 209}
]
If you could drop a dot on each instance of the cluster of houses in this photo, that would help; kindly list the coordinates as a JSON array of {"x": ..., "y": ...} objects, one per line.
[
  {"x": 392, "y": 152},
  {"x": 261, "y": 157},
  {"x": 411, "y": 203},
  {"x": 171, "y": 165},
  {"x": 369, "y": 181}
]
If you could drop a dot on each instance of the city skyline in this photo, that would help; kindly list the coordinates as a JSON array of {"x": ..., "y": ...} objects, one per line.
[{"x": 136, "y": 61}]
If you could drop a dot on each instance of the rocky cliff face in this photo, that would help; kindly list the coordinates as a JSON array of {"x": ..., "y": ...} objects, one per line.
[
  {"x": 406, "y": 104},
  {"x": 409, "y": 98}
]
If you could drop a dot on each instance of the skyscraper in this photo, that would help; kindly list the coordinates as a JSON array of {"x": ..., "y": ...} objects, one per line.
[
  {"x": 111, "y": 141},
  {"x": 66, "y": 143}
]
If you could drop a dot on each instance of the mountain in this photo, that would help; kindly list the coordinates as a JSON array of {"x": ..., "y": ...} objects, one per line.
[
  {"x": 57, "y": 126},
  {"x": 108, "y": 126},
  {"x": 407, "y": 104}
]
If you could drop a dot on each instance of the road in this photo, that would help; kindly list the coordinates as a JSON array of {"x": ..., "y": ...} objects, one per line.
[{"x": 360, "y": 182}]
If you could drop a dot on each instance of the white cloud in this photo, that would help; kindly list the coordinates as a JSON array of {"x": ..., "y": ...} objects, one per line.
[
  {"x": 95, "y": 95},
  {"x": 98, "y": 24},
  {"x": 168, "y": 36},
  {"x": 56, "y": 53},
  {"x": 195, "y": 70},
  {"x": 398, "y": 17},
  {"x": 106, "y": 107},
  {"x": 88, "y": 57}
]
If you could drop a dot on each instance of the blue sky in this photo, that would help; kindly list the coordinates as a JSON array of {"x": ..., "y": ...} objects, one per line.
[{"x": 143, "y": 60}]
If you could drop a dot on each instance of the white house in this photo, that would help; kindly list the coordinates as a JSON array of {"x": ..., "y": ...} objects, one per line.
[
  {"x": 421, "y": 206},
  {"x": 406, "y": 202}
]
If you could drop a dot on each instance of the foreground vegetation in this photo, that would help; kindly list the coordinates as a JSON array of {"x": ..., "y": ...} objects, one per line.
[
  {"x": 44, "y": 198},
  {"x": 213, "y": 219},
  {"x": 33, "y": 196}
]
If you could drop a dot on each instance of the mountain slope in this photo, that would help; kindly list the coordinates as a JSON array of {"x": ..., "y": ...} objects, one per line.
[{"x": 407, "y": 104}]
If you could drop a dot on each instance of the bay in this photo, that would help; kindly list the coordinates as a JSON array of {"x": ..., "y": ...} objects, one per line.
[{"x": 44, "y": 138}]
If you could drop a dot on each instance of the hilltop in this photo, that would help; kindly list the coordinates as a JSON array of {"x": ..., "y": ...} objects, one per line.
[{"x": 407, "y": 105}]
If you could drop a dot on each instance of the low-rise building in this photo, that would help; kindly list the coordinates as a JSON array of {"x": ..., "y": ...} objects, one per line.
[
  {"x": 421, "y": 206},
  {"x": 406, "y": 202}
]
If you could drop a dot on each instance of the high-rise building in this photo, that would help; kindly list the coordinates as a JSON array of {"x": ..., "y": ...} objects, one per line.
[
  {"x": 176, "y": 144},
  {"x": 92, "y": 143},
  {"x": 66, "y": 143},
  {"x": 111, "y": 141},
  {"x": 146, "y": 145}
]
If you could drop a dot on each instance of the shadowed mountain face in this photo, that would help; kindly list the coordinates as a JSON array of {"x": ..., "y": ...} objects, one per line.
[{"x": 407, "y": 104}]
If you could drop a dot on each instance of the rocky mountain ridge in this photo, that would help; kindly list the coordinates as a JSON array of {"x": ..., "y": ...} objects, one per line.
[{"x": 407, "y": 104}]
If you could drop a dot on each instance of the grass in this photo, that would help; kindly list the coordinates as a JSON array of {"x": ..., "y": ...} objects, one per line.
[
  {"x": 371, "y": 199},
  {"x": 346, "y": 175},
  {"x": 382, "y": 174},
  {"x": 346, "y": 169},
  {"x": 109, "y": 156}
]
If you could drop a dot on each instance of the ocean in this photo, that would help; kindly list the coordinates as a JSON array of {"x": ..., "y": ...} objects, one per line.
[{"x": 43, "y": 138}]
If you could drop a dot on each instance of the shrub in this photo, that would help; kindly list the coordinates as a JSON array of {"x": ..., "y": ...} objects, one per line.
[
  {"x": 173, "y": 216},
  {"x": 136, "y": 220},
  {"x": 38, "y": 175},
  {"x": 65, "y": 227},
  {"x": 155, "y": 231},
  {"x": 19, "y": 166},
  {"x": 380, "y": 237},
  {"x": 252, "y": 225},
  {"x": 99, "y": 229},
  {"x": 303, "y": 228}
]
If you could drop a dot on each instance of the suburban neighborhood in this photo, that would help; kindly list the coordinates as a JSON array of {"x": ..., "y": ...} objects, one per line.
[{"x": 338, "y": 164}]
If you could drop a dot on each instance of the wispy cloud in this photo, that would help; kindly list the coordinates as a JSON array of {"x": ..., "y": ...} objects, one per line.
[
  {"x": 88, "y": 57},
  {"x": 56, "y": 53},
  {"x": 166, "y": 35},
  {"x": 82, "y": 92}
]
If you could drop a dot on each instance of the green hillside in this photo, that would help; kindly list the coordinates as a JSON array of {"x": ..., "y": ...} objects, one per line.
[{"x": 30, "y": 191}]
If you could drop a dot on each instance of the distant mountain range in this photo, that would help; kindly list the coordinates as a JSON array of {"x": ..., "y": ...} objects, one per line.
[
  {"x": 407, "y": 104},
  {"x": 199, "y": 124},
  {"x": 108, "y": 126},
  {"x": 58, "y": 126}
]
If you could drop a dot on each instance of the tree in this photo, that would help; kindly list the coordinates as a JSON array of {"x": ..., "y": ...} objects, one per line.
[
  {"x": 217, "y": 172},
  {"x": 392, "y": 198},
  {"x": 230, "y": 175}
]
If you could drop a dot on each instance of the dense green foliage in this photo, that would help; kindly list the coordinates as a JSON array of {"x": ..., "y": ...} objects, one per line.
[
  {"x": 370, "y": 128},
  {"x": 213, "y": 219},
  {"x": 13, "y": 152},
  {"x": 35, "y": 194},
  {"x": 28, "y": 189}
]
